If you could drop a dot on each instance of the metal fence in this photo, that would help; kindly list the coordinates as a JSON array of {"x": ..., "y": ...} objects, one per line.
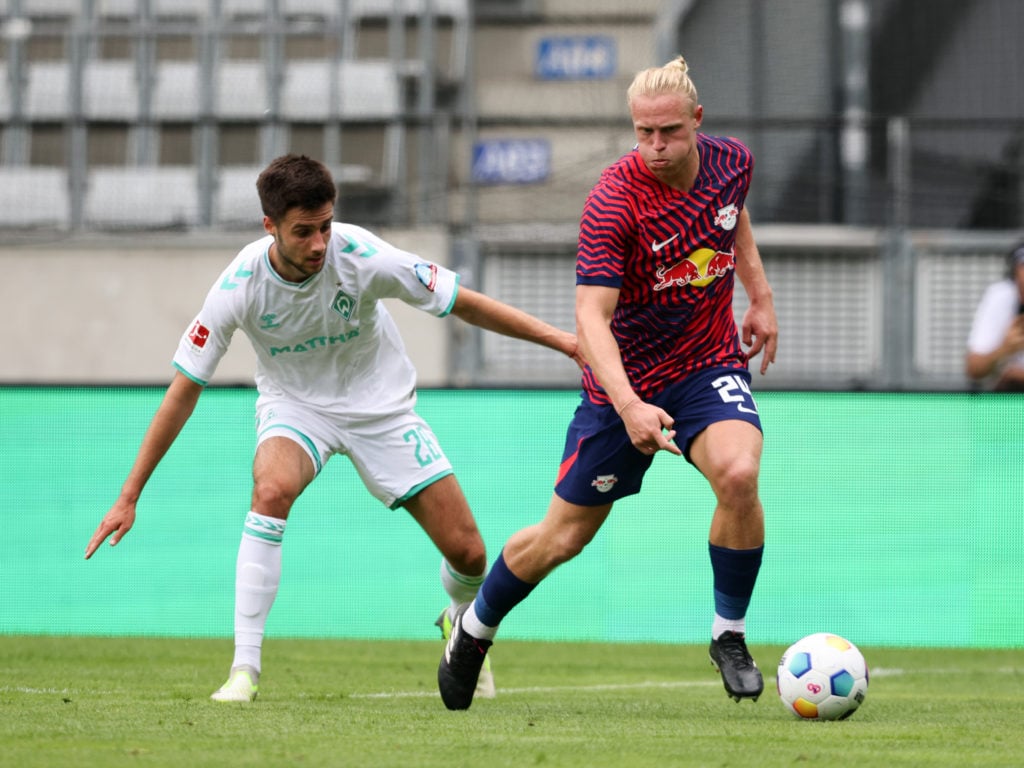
[{"x": 858, "y": 308}]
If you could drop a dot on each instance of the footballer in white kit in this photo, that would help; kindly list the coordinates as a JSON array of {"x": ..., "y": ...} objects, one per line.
[
  {"x": 331, "y": 369},
  {"x": 333, "y": 377}
]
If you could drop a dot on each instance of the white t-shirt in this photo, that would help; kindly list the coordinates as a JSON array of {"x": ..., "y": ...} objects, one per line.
[
  {"x": 996, "y": 311},
  {"x": 327, "y": 342}
]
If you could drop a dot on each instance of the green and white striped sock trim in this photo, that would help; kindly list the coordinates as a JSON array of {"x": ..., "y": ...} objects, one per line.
[{"x": 264, "y": 528}]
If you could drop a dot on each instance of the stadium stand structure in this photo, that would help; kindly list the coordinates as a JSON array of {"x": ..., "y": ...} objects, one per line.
[
  {"x": 493, "y": 118},
  {"x": 369, "y": 86},
  {"x": 848, "y": 190},
  {"x": 556, "y": 73},
  {"x": 406, "y": 88}
]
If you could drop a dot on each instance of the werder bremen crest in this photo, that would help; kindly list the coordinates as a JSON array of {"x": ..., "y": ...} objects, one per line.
[{"x": 343, "y": 304}]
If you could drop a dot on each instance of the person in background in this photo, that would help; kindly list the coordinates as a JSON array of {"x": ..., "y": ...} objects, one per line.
[
  {"x": 995, "y": 346},
  {"x": 663, "y": 235},
  {"x": 332, "y": 377}
]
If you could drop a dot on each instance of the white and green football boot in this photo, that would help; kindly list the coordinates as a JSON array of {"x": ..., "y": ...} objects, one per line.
[{"x": 242, "y": 686}]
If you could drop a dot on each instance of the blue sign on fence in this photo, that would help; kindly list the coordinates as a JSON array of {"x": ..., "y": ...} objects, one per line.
[
  {"x": 511, "y": 161},
  {"x": 575, "y": 57}
]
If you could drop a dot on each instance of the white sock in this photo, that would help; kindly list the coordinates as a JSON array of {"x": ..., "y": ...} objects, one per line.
[
  {"x": 257, "y": 575},
  {"x": 460, "y": 587},
  {"x": 720, "y": 625},
  {"x": 475, "y": 627}
]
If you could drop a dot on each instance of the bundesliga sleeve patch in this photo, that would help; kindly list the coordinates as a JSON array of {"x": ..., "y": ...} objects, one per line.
[
  {"x": 427, "y": 274},
  {"x": 198, "y": 334}
]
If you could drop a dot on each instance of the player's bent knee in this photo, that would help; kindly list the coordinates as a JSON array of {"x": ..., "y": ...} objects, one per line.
[
  {"x": 273, "y": 498},
  {"x": 737, "y": 481}
]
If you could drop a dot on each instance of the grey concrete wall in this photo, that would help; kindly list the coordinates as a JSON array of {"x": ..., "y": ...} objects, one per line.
[{"x": 110, "y": 310}]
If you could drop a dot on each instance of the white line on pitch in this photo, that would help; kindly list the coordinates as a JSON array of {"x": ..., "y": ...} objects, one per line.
[
  {"x": 879, "y": 672},
  {"x": 547, "y": 689}
]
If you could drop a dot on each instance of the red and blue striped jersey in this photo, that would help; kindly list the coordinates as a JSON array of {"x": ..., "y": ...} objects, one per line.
[{"x": 671, "y": 255}]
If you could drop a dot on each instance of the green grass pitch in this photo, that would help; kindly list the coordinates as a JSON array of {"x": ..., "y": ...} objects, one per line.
[{"x": 89, "y": 701}]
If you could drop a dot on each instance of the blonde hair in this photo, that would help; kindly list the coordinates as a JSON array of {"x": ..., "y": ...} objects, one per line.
[{"x": 670, "y": 78}]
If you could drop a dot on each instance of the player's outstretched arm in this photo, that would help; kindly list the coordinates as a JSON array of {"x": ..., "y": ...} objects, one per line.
[
  {"x": 492, "y": 315},
  {"x": 178, "y": 403}
]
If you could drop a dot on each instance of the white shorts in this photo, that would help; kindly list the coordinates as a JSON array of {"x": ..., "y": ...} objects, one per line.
[{"x": 396, "y": 455}]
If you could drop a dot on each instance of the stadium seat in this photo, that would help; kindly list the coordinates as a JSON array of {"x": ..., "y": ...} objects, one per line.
[
  {"x": 176, "y": 90},
  {"x": 325, "y": 9},
  {"x": 383, "y": 8},
  {"x": 50, "y": 8},
  {"x": 369, "y": 90},
  {"x": 34, "y": 197},
  {"x": 180, "y": 8},
  {"x": 142, "y": 197},
  {"x": 243, "y": 7},
  {"x": 366, "y": 90},
  {"x": 242, "y": 90},
  {"x": 306, "y": 91},
  {"x": 110, "y": 90},
  {"x": 47, "y": 91},
  {"x": 117, "y": 9},
  {"x": 405, "y": 11},
  {"x": 237, "y": 203}
]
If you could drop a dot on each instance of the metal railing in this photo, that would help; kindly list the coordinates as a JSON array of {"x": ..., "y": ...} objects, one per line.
[{"x": 858, "y": 308}]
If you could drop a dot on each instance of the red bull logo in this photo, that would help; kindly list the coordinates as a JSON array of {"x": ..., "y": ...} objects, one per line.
[
  {"x": 699, "y": 269},
  {"x": 720, "y": 264}
]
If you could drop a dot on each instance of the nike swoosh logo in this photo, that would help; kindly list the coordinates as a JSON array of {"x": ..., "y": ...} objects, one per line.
[{"x": 658, "y": 246}]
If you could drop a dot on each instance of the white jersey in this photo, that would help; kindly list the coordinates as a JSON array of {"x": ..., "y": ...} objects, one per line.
[
  {"x": 995, "y": 314},
  {"x": 327, "y": 342}
]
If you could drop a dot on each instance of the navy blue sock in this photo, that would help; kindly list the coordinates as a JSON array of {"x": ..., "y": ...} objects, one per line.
[
  {"x": 735, "y": 571},
  {"x": 501, "y": 591}
]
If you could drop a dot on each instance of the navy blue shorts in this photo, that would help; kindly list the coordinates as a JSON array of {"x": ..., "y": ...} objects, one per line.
[{"x": 599, "y": 463}]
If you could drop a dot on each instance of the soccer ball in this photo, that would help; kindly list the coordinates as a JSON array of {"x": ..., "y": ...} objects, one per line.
[{"x": 822, "y": 677}]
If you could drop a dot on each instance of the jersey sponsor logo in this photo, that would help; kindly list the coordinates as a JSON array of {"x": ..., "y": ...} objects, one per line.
[
  {"x": 726, "y": 218},
  {"x": 604, "y": 483},
  {"x": 314, "y": 344},
  {"x": 198, "y": 335},
  {"x": 427, "y": 274},
  {"x": 699, "y": 269},
  {"x": 655, "y": 247},
  {"x": 343, "y": 304},
  {"x": 720, "y": 263}
]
